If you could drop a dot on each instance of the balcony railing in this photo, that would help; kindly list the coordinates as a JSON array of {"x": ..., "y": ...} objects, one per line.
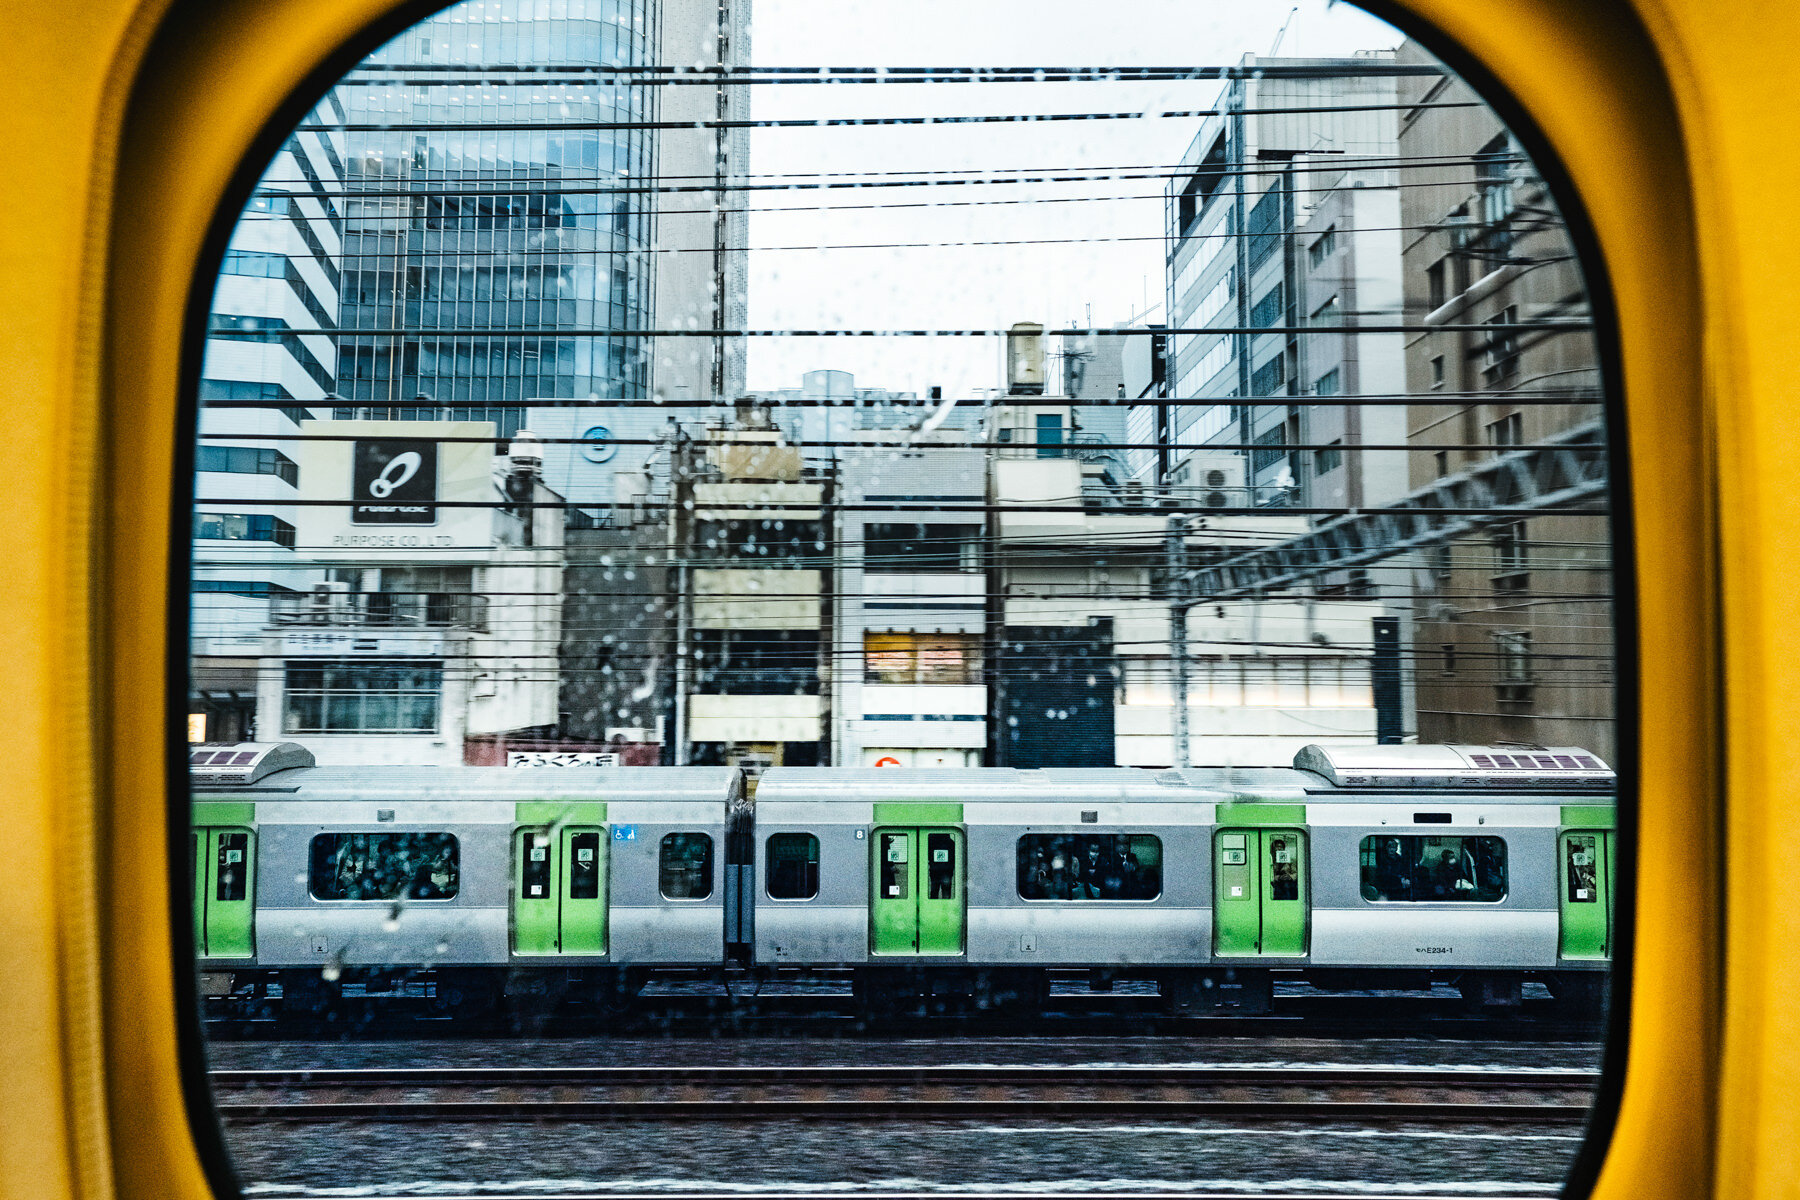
[{"x": 393, "y": 610}]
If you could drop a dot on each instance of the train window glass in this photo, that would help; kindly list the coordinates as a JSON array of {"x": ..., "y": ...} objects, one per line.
[
  {"x": 1442, "y": 869},
  {"x": 1089, "y": 866},
  {"x": 384, "y": 866},
  {"x": 940, "y": 866},
  {"x": 1072, "y": 447},
  {"x": 584, "y": 865},
  {"x": 233, "y": 867},
  {"x": 793, "y": 866},
  {"x": 896, "y": 866},
  {"x": 685, "y": 866},
  {"x": 534, "y": 871}
]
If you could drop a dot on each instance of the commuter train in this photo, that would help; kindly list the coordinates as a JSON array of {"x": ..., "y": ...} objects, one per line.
[{"x": 1384, "y": 866}]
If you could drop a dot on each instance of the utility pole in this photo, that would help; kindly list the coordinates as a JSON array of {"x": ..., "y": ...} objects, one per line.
[
  {"x": 1179, "y": 603},
  {"x": 680, "y": 489},
  {"x": 721, "y": 113}
]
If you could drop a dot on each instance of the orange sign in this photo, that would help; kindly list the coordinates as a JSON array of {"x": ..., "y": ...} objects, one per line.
[{"x": 887, "y": 760}]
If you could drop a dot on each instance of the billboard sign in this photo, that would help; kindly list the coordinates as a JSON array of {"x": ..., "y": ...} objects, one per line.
[{"x": 394, "y": 481}]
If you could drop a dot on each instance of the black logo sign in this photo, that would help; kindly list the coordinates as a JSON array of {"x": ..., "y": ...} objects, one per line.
[{"x": 394, "y": 483}]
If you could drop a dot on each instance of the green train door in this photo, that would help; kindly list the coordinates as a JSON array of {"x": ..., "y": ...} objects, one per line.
[
  {"x": 224, "y": 893},
  {"x": 1260, "y": 893},
  {"x": 559, "y": 891},
  {"x": 1586, "y": 879},
  {"x": 918, "y": 902}
]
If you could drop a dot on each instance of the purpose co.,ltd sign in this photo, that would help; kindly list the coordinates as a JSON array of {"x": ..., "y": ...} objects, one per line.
[{"x": 394, "y": 481}]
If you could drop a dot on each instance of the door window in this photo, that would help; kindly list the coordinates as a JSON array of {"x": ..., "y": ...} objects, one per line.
[
  {"x": 940, "y": 866},
  {"x": 896, "y": 867},
  {"x": 1581, "y": 868}
]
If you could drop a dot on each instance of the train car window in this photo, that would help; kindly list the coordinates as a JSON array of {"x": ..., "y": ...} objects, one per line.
[
  {"x": 1089, "y": 866},
  {"x": 384, "y": 866},
  {"x": 685, "y": 866},
  {"x": 793, "y": 866},
  {"x": 1458, "y": 870}
]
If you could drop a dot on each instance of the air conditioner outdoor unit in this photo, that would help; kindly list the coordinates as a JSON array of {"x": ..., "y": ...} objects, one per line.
[
  {"x": 1132, "y": 494},
  {"x": 330, "y": 602}
]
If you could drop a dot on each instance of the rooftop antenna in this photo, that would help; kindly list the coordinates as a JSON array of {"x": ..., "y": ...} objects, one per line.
[{"x": 1292, "y": 12}]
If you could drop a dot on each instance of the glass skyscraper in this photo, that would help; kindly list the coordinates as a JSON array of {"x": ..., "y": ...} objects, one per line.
[{"x": 458, "y": 222}]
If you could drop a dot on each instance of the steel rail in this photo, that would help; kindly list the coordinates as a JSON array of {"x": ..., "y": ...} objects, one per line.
[
  {"x": 887, "y": 1110},
  {"x": 1109, "y": 1076}
]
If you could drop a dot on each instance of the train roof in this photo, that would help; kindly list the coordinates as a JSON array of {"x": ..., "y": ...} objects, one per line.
[{"x": 484, "y": 783}]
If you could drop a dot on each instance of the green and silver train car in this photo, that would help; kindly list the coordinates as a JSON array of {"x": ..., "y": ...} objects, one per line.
[
  {"x": 1388, "y": 866},
  {"x": 532, "y": 881}
]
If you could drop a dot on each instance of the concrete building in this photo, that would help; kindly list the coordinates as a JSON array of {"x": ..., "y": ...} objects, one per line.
[
  {"x": 1514, "y": 627},
  {"x": 702, "y": 270},
  {"x": 279, "y": 288},
  {"x": 1250, "y": 179},
  {"x": 1082, "y": 665},
  {"x": 910, "y": 607},
  {"x": 828, "y": 407},
  {"x": 438, "y": 617},
  {"x": 753, "y": 627}
]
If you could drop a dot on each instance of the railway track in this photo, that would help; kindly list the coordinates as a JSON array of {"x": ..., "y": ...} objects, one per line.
[{"x": 838, "y": 1093}]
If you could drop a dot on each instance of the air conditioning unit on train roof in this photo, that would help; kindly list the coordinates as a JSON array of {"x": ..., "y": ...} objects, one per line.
[
  {"x": 1511, "y": 768},
  {"x": 245, "y": 763}
]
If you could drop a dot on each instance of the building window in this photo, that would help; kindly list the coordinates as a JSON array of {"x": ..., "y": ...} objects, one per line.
[
  {"x": 1440, "y": 563},
  {"x": 1267, "y": 309},
  {"x": 1495, "y": 176},
  {"x": 1513, "y": 675},
  {"x": 1435, "y": 284},
  {"x": 1510, "y": 558},
  {"x": 1323, "y": 249},
  {"x": 1263, "y": 227},
  {"x": 1441, "y": 461},
  {"x": 1449, "y": 652},
  {"x": 243, "y": 527},
  {"x": 1328, "y": 384},
  {"x": 912, "y": 548},
  {"x": 917, "y": 658},
  {"x": 1437, "y": 370},
  {"x": 247, "y": 460},
  {"x": 1500, "y": 357},
  {"x": 1330, "y": 458},
  {"x": 1049, "y": 435},
  {"x": 362, "y": 695},
  {"x": 756, "y": 662},
  {"x": 1275, "y": 441},
  {"x": 1268, "y": 377},
  {"x": 1507, "y": 431}
]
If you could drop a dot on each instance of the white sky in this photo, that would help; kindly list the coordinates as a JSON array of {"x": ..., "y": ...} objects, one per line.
[{"x": 980, "y": 287}]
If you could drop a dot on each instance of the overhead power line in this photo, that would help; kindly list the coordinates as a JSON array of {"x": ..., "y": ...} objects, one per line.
[
  {"x": 551, "y": 331},
  {"x": 716, "y": 74},
  {"x": 861, "y": 122}
]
